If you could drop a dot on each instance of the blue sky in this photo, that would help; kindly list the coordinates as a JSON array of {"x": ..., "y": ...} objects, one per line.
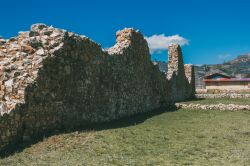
[{"x": 216, "y": 30}]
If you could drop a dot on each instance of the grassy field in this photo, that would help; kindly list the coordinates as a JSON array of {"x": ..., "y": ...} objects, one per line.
[
  {"x": 183, "y": 137},
  {"x": 243, "y": 101}
]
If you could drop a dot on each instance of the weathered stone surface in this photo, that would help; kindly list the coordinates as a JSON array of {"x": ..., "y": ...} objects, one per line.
[
  {"x": 190, "y": 86},
  {"x": 2, "y": 41},
  {"x": 53, "y": 79},
  {"x": 223, "y": 95},
  {"x": 180, "y": 86},
  {"x": 222, "y": 91},
  {"x": 220, "y": 107}
]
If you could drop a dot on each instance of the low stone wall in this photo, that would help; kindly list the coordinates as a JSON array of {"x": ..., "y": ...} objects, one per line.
[
  {"x": 219, "y": 91},
  {"x": 53, "y": 79},
  {"x": 223, "y": 95},
  {"x": 221, "y": 107}
]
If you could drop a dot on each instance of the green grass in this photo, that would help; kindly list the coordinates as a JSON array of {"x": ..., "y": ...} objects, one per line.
[
  {"x": 243, "y": 101},
  {"x": 183, "y": 137}
]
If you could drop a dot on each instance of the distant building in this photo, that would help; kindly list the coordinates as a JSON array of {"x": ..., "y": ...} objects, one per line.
[{"x": 225, "y": 82}]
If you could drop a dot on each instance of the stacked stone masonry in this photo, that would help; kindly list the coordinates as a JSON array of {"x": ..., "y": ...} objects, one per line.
[
  {"x": 180, "y": 77},
  {"x": 53, "y": 79},
  {"x": 222, "y": 91},
  {"x": 221, "y": 107},
  {"x": 223, "y": 95}
]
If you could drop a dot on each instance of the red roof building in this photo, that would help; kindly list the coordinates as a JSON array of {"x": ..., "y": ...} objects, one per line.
[{"x": 225, "y": 82}]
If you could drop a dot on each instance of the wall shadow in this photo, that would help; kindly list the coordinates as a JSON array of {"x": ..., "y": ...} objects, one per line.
[
  {"x": 194, "y": 99},
  {"x": 132, "y": 120}
]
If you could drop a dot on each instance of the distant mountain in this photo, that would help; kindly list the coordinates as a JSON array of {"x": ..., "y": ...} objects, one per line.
[
  {"x": 238, "y": 67},
  {"x": 240, "y": 59},
  {"x": 162, "y": 65}
]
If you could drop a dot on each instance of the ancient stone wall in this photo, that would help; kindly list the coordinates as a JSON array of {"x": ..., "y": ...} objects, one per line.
[
  {"x": 218, "y": 107},
  {"x": 190, "y": 76},
  {"x": 178, "y": 78},
  {"x": 53, "y": 79},
  {"x": 223, "y": 95},
  {"x": 220, "y": 91}
]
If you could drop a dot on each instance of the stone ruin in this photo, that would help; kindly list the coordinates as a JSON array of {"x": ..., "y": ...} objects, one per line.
[
  {"x": 180, "y": 76},
  {"x": 52, "y": 79}
]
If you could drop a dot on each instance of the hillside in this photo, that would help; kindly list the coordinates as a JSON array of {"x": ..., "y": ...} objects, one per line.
[{"x": 238, "y": 67}]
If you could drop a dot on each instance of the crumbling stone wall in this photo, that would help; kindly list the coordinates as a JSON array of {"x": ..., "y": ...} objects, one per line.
[
  {"x": 220, "y": 107},
  {"x": 177, "y": 75},
  {"x": 190, "y": 76},
  {"x": 53, "y": 79},
  {"x": 222, "y": 95}
]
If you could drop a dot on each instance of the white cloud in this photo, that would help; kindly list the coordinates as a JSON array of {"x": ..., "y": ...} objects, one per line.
[
  {"x": 158, "y": 43},
  {"x": 223, "y": 56}
]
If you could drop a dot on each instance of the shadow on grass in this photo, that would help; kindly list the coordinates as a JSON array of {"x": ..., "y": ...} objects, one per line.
[
  {"x": 118, "y": 123},
  {"x": 194, "y": 99}
]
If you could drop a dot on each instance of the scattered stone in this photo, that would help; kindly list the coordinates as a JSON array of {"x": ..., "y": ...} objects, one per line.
[
  {"x": 223, "y": 95},
  {"x": 220, "y": 107}
]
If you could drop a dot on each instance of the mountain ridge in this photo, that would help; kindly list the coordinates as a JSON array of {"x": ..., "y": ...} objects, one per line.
[{"x": 238, "y": 67}]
